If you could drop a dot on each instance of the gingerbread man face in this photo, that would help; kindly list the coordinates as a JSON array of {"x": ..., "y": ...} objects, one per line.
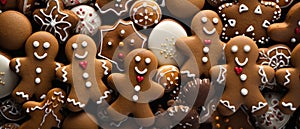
[{"x": 289, "y": 30}]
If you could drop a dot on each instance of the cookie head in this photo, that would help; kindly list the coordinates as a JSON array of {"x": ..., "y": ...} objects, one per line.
[
  {"x": 241, "y": 50},
  {"x": 80, "y": 47},
  {"x": 55, "y": 98},
  {"x": 41, "y": 46},
  {"x": 207, "y": 23}
]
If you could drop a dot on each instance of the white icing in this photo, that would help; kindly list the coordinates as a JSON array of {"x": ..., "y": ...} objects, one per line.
[
  {"x": 18, "y": 65},
  {"x": 287, "y": 78},
  {"x": 243, "y": 77},
  {"x": 36, "y": 44},
  {"x": 234, "y": 48},
  {"x": 88, "y": 84},
  {"x": 266, "y": 24},
  {"x": 60, "y": 94},
  {"x": 243, "y": 8},
  {"x": 188, "y": 73},
  {"x": 247, "y": 48},
  {"x": 122, "y": 32},
  {"x": 122, "y": 9},
  {"x": 244, "y": 91},
  {"x": 221, "y": 78},
  {"x": 205, "y": 50},
  {"x": 46, "y": 45},
  {"x": 135, "y": 98},
  {"x": 75, "y": 103},
  {"x": 262, "y": 73},
  {"x": 23, "y": 95},
  {"x": 74, "y": 46},
  {"x": 144, "y": 71},
  {"x": 279, "y": 60},
  {"x": 58, "y": 65},
  {"x": 80, "y": 57},
  {"x": 137, "y": 88},
  {"x": 293, "y": 40},
  {"x": 239, "y": 63},
  {"x": 104, "y": 67},
  {"x": 84, "y": 44},
  {"x": 37, "y": 80},
  {"x": 51, "y": 22},
  {"x": 204, "y": 19},
  {"x": 64, "y": 76},
  {"x": 40, "y": 57},
  {"x": 215, "y": 20},
  {"x": 147, "y": 60},
  {"x": 38, "y": 70},
  {"x": 250, "y": 29},
  {"x": 204, "y": 59},
  {"x": 259, "y": 106},
  {"x": 232, "y": 22},
  {"x": 118, "y": 124},
  {"x": 258, "y": 10},
  {"x": 226, "y": 103},
  {"x": 209, "y": 32},
  {"x": 290, "y": 105},
  {"x": 137, "y": 58},
  {"x": 106, "y": 93},
  {"x": 85, "y": 75}
]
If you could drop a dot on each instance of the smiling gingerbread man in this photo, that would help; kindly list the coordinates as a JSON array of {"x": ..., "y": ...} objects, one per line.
[
  {"x": 37, "y": 69},
  {"x": 242, "y": 78},
  {"x": 85, "y": 73},
  {"x": 136, "y": 88}
]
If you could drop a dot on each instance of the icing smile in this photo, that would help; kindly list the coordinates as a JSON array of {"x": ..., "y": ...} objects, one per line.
[
  {"x": 209, "y": 32},
  {"x": 239, "y": 63},
  {"x": 40, "y": 57},
  {"x": 140, "y": 72},
  {"x": 81, "y": 56}
]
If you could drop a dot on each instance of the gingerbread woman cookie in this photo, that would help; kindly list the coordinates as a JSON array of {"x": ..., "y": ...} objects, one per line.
[
  {"x": 85, "y": 73},
  {"x": 242, "y": 78},
  {"x": 37, "y": 69},
  {"x": 118, "y": 40},
  {"x": 136, "y": 88},
  {"x": 236, "y": 17},
  {"x": 45, "y": 114},
  {"x": 118, "y": 7},
  {"x": 289, "y": 78},
  {"x": 56, "y": 20},
  {"x": 203, "y": 50},
  {"x": 287, "y": 32}
]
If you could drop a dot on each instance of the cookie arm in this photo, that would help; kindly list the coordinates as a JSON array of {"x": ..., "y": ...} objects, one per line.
[
  {"x": 106, "y": 66},
  {"x": 62, "y": 74},
  {"x": 270, "y": 73},
  {"x": 285, "y": 76},
  {"x": 218, "y": 74},
  {"x": 15, "y": 65},
  {"x": 31, "y": 106},
  {"x": 58, "y": 65}
]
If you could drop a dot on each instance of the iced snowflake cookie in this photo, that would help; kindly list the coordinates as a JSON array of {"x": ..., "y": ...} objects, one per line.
[
  {"x": 45, "y": 114},
  {"x": 287, "y": 32},
  {"x": 236, "y": 17},
  {"x": 89, "y": 20},
  {"x": 145, "y": 13},
  {"x": 15, "y": 29},
  {"x": 242, "y": 78},
  {"x": 162, "y": 41},
  {"x": 37, "y": 69},
  {"x": 84, "y": 73},
  {"x": 56, "y": 20},
  {"x": 117, "y": 41}
]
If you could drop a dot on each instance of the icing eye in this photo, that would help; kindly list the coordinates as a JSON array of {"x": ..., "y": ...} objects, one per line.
[
  {"x": 137, "y": 58},
  {"x": 204, "y": 19},
  {"x": 147, "y": 60},
  {"x": 36, "y": 44},
  {"x": 122, "y": 32},
  {"x": 84, "y": 44},
  {"x": 132, "y": 42},
  {"x": 247, "y": 48},
  {"x": 109, "y": 43},
  {"x": 234, "y": 49},
  {"x": 46, "y": 45},
  {"x": 74, "y": 45},
  {"x": 298, "y": 23},
  {"x": 215, "y": 20}
]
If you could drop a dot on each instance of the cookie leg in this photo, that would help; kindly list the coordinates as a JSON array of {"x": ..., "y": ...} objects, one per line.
[
  {"x": 74, "y": 104},
  {"x": 120, "y": 109},
  {"x": 256, "y": 104},
  {"x": 145, "y": 116}
]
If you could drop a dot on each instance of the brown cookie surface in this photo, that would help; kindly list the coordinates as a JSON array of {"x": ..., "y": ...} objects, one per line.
[{"x": 184, "y": 8}]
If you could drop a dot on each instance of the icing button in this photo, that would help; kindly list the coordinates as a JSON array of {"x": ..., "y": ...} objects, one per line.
[
  {"x": 38, "y": 70},
  {"x": 243, "y": 77},
  {"x": 244, "y": 91},
  {"x": 85, "y": 75},
  {"x": 205, "y": 50},
  {"x": 37, "y": 80},
  {"x": 135, "y": 98},
  {"x": 204, "y": 59},
  {"x": 88, "y": 84},
  {"x": 137, "y": 88}
]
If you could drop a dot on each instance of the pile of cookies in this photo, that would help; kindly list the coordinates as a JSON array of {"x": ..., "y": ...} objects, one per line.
[{"x": 149, "y": 64}]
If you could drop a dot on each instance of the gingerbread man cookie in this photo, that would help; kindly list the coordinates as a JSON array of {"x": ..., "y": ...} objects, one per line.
[
  {"x": 203, "y": 50},
  {"x": 118, "y": 40},
  {"x": 242, "y": 78},
  {"x": 37, "y": 69},
  {"x": 56, "y": 20},
  {"x": 238, "y": 19},
  {"x": 287, "y": 32},
  {"x": 45, "y": 114},
  {"x": 85, "y": 73},
  {"x": 118, "y": 7},
  {"x": 136, "y": 88},
  {"x": 289, "y": 78}
]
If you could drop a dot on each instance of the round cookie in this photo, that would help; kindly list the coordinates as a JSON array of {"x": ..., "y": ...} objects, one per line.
[
  {"x": 236, "y": 17},
  {"x": 8, "y": 79},
  {"x": 16, "y": 28},
  {"x": 273, "y": 118},
  {"x": 162, "y": 40},
  {"x": 168, "y": 76},
  {"x": 287, "y": 32},
  {"x": 74, "y": 2},
  {"x": 11, "y": 110},
  {"x": 145, "y": 13},
  {"x": 242, "y": 78},
  {"x": 89, "y": 20},
  {"x": 184, "y": 8}
]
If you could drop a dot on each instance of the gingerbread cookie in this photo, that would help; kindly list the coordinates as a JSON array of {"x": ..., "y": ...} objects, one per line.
[
  {"x": 282, "y": 3},
  {"x": 273, "y": 118},
  {"x": 118, "y": 40},
  {"x": 84, "y": 74},
  {"x": 277, "y": 56},
  {"x": 16, "y": 28},
  {"x": 202, "y": 50},
  {"x": 11, "y": 110},
  {"x": 10, "y": 126},
  {"x": 26, "y": 6},
  {"x": 242, "y": 78},
  {"x": 289, "y": 78},
  {"x": 184, "y": 8},
  {"x": 56, "y": 20},
  {"x": 80, "y": 120},
  {"x": 145, "y": 13},
  {"x": 8, "y": 5},
  {"x": 74, "y": 2},
  {"x": 136, "y": 88},
  {"x": 89, "y": 20},
  {"x": 287, "y": 32},
  {"x": 236, "y": 17},
  {"x": 41, "y": 50},
  {"x": 45, "y": 114},
  {"x": 162, "y": 40},
  {"x": 168, "y": 76},
  {"x": 8, "y": 79},
  {"x": 217, "y": 3},
  {"x": 118, "y": 7}
]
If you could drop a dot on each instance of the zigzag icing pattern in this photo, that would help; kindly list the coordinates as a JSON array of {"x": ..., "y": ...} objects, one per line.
[
  {"x": 103, "y": 97},
  {"x": 104, "y": 67},
  {"x": 119, "y": 124},
  {"x": 188, "y": 73},
  {"x": 57, "y": 66},
  {"x": 289, "y": 105},
  {"x": 226, "y": 103},
  {"x": 18, "y": 65},
  {"x": 259, "y": 106},
  {"x": 23, "y": 95},
  {"x": 56, "y": 119},
  {"x": 75, "y": 103},
  {"x": 262, "y": 73},
  {"x": 221, "y": 78},
  {"x": 65, "y": 79},
  {"x": 288, "y": 74}
]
